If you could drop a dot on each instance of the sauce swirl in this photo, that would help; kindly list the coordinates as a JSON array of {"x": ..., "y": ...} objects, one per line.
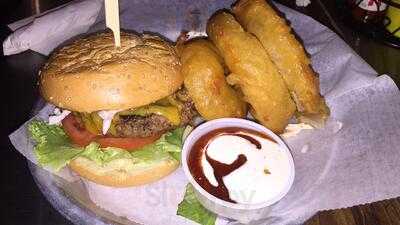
[{"x": 220, "y": 169}]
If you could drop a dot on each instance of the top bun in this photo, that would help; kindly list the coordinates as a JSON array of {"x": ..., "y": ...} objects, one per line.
[{"x": 91, "y": 74}]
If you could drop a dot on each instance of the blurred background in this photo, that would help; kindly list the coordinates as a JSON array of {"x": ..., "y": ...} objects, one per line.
[{"x": 13, "y": 10}]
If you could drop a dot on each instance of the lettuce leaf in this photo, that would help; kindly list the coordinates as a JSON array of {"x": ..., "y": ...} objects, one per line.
[
  {"x": 104, "y": 155},
  {"x": 169, "y": 145},
  {"x": 191, "y": 208},
  {"x": 175, "y": 138},
  {"x": 54, "y": 150}
]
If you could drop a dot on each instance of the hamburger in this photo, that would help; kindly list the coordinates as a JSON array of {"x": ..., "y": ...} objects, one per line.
[{"x": 119, "y": 113}]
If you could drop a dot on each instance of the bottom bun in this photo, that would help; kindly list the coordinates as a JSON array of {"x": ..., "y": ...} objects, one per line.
[{"x": 122, "y": 172}]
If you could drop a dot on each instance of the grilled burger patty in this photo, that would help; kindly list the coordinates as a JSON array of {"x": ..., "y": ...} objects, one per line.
[
  {"x": 142, "y": 126},
  {"x": 153, "y": 124}
]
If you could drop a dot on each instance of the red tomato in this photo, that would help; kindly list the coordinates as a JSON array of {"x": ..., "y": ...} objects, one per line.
[
  {"x": 82, "y": 137},
  {"x": 76, "y": 131}
]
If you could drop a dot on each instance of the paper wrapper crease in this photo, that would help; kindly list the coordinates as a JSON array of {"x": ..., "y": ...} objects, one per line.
[{"x": 351, "y": 162}]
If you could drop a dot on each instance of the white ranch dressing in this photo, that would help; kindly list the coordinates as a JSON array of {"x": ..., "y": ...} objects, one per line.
[
  {"x": 262, "y": 177},
  {"x": 107, "y": 116},
  {"x": 58, "y": 116}
]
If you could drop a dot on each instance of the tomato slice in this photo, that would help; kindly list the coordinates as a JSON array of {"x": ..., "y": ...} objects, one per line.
[
  {"x": 82, "y": 137},
  {"x": 76, "y": 132}
]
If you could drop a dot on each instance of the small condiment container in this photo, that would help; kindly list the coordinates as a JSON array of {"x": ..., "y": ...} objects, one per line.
[
  {"x": 241, "y": 212},
  {"x": 393, "y": 16}
]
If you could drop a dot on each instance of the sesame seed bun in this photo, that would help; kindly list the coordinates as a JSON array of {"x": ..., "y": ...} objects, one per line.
[
  {"x": 91, "y": 74},
  {"x": 122, "y": 174}
]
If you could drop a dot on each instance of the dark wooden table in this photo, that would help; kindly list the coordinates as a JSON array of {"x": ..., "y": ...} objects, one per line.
[{"x": 22, "y": 202}]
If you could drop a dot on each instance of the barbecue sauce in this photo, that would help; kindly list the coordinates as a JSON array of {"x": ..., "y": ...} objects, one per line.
[{"x": 220, "y": 169}]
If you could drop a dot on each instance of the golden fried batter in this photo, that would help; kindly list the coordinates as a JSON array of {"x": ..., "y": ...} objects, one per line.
[
  {"x": 253, "y": 71},
  {"x": 205, "y": 81},
  {"x": 260, "y": 19}
]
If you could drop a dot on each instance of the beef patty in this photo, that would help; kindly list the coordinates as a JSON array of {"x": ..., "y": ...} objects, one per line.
[{"x": 152, "y": 124}]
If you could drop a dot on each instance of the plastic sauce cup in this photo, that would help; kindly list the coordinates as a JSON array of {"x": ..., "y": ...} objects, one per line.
[{"x": 244, "y": 213}]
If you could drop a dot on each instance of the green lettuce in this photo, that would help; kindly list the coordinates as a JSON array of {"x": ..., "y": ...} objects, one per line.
[
  {"x": 191, "y": 208},
  {"x": 169, "y": 145},
  {"x": 104, "y": 155},
  {"x": 54, "y": 150}
]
